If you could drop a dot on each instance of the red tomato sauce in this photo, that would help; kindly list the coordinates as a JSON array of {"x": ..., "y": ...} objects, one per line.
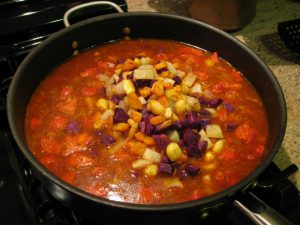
[{"x": 148, "y": 122}]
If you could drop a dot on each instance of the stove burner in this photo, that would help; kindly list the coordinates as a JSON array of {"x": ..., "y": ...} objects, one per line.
[{"x": 24, "y": 24}]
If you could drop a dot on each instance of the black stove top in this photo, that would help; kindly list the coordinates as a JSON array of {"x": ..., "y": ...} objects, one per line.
[{"x": 23, "y": 199}]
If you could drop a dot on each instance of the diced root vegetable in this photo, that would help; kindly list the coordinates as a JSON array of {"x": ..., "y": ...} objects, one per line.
[
  {"x": 170, "y": 67},
  {"x": 103, "y": 78},
  {"x": 145, "y": 61},
  {"x": 157, "y": 120},
  {"x": 133, "y": 101},
  {"x": 164, "y": 125},
  {"x": 128, "y": 87},
  {"x": 209, "y": 156},
  {"x": 142, "y": 100},
  {"x": 145, "y": 91},
  {"x": 180, "y": 107},
  {"x": 214, "y": 131},
  {"x": 173, "y": 183},
  {"x": 151, "y": 170},
  {"x": 132, "y": 130},
  {"x": 107, "y": 114},
  {"x": 135, "y": 115},
  {"x": 173, "y": 151},
  {"x": 168, "y": 113},
  {"x": 174, "y": 136},
  {"x": 151, "y": 155},
  {"x": 140, "y": 163},
  {"x": 157, "y": 108},
  {"x": 137, "y": 148},
  {"x": 218, "y": 146},
  {"x": 196, "y": 89},
  {"x": 149, "y": 141},
  {"x": 212, "y": 111},
  {"x": 139, "y": 74},
  {"x": 189, "y": 80},
  {"x": 203, "y": 137},
  {"x": 209, "y": 167},
  {"x": 117, "y": 146},
  {"x": 119, "y": 89},
  {"x": 206, "y": 178},
  {"x": 121, "y": 127},
  {"x": 102, "y": 104},
  {"x": 192, "y": 103},
  {"x": 158, "y": 88}
]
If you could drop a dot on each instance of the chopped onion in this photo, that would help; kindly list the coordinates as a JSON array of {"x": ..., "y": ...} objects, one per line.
[
  {"x": 118, "y": 146},
  {"x": 147, "y": 74},
  {"x": 173, "y": 183},
  {"x": 170, "y": 67}
]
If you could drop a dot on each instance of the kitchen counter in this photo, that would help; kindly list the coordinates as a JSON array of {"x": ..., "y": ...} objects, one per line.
[{"x": 261, "y": 36}]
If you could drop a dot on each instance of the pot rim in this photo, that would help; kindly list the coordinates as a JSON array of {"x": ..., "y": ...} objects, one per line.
[{"x": 212, "y": 199}]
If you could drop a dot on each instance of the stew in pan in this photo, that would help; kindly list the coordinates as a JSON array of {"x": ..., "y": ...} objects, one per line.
[{"x": 147, "y": 121}]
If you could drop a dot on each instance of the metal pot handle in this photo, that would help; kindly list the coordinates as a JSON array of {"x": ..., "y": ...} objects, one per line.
[
  {"x": 81, "y": 6},
  {"x": 259, "y": 212}
]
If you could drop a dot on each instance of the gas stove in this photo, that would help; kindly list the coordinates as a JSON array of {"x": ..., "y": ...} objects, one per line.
[{"x": 26, "y": 23}]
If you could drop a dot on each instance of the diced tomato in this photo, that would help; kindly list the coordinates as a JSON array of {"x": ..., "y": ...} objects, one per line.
[
  {"x": 197, "y": 194},
  {"x": 202, "y": 75},
  {"x": 232, "y": 179},
  {"x": 66, "y": 91},
  {"x": 34, "y": 122},
  {"x": 89, "y": 90},
  {"x": 215, "y": 57},
  {"x": 98, "y": 171},
  {"x": 69, "y": 177},
  {"x": 232, "y": 86},
  {"x": 258, "y": 151},
  {"x": 90, "y": 72},
  {"x": 245, "y": 132},
  {"x": 227, "y": 155},
  {"x": 145, "y": 194},
  {"x": 78, "y": 160},
  {"x": 232, "y": 94},
  {"x": 68, "y": 106},
  {"x": 58, "y": 122},
  {"x": 49, "y": 145},
  {"x": 47, "y": 159},
  {"x": 76, "y": 143},
  {"x": 223, "y": 114},
  {"x": 219, "y": 176},
  {"x": 217, "y": 88},
  {"x": 105, "y": 67},
  {"x": 188, "y": 51},
  {"x": 237, "y": 76},
  {"x": 161, "y": 56}
]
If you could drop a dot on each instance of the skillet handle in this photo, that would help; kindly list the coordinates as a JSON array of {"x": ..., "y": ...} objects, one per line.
[
  {"x": 259, "y": 212},
  {"x": 81, "y": 6}
]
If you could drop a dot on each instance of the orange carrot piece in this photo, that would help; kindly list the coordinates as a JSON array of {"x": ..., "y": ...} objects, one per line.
[
  {"x": 182, "y": 159},
  {"x": 145, "y": 91},
  {"x": 136, "y": 116},
  {"x": 137, "y": 148},
  {"x": 120, "y": 127},
  {"x": 139, "y": 136},
  {"x": 164, "y": 101},
  {"x": 129, "y": 64},
  {"x": 133, "y": 101},
  {"x": 157, "y": 119},
  {"x": 149, "y": 140},
  {"x": 158, "y": 88}
]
